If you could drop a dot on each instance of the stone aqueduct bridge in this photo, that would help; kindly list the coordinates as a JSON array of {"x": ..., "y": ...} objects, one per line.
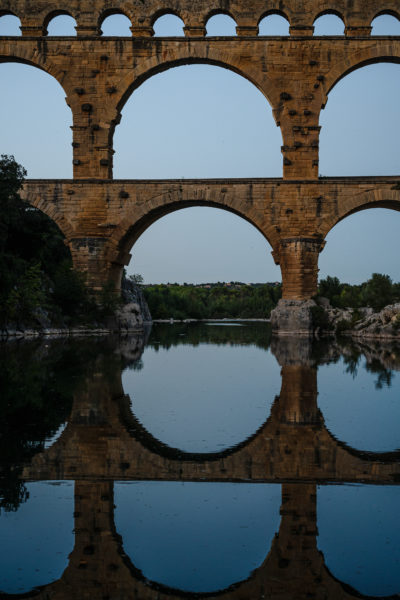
[{"x": 101, "y": 218}]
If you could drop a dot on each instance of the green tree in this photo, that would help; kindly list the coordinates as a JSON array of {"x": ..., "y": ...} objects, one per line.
[{"x": 378, "y": 291}]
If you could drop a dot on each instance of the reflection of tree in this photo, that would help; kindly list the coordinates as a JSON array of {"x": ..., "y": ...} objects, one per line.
[
  {"x": 381, "y": 358},
  {"x": 37, "y": 382},
  {"x": 384, "y": 375},
  {"x": 252, "y": 334}
]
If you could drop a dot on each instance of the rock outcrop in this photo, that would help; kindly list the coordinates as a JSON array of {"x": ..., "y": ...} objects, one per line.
[{"x": 293, "y": 317}]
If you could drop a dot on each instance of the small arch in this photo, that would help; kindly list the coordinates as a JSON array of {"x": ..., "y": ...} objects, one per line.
[
  {"x": 329, "y": 22},
  {"x": 274, "y": 23},
  {"x": 114, "y": 22},
  {"x": 60, "y": 23},
  {"x": 168, "y": 24},
  {"x": 386, "y": 23},
  {"x": 220, "y": 23},
  {"x": 10, "y": 24}
]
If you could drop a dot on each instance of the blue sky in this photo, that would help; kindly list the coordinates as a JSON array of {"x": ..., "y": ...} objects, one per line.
[{"x": 203, "y": 121}]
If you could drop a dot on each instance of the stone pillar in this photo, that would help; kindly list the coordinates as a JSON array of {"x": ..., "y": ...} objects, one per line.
[
  {"x": 298, "y": 259},
  {"x": 358, "y": 31},
  {"x": 301, "y": 152},
  {"x": 301, "y": 30},
  {"x": 92, "y": 151},
  {"x": 96, "y": 562},
  {"x": 298, "y": 397},
  {"x": 89, "y": 257}
]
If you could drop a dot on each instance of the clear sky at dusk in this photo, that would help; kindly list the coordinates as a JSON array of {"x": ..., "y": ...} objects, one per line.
[{"x": 204, "y": 121}]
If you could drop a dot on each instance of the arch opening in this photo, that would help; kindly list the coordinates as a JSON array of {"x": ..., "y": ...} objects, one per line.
[
  {"x": 221, "y": 24},
  {"x": 203, "y": 416},
  {"x": 274, "y": 24},
  {"x": 10, "y": 24},
  {"x": 41, "y": 546},
  {"x": 360, "y": 124},
  {"x": 168, "y": 25},
  {"x": 386, "y": 24},
  {"x": 32, "y": 108},
  {"x": 359, "y": 537},
  {"x": 240, "y": 258},
  {"x": 328, "y": 23},
  {"x": 115, "y": 24},
  {"x": 187, "y": 541},
  {"x": 197, "y": 117},
  {"x": 363, "y": 242},
  {"x": 60, "y": 24}
]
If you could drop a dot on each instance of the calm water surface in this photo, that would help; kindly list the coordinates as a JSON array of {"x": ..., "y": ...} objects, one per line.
[{"x": 199, "y": 460}]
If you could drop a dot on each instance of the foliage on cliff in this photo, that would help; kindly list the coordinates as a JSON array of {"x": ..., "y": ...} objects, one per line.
[
  {"x": 216, "y": 302},
  {"x": 38, "y": 283},
  {"x": 377, "y": 292}
]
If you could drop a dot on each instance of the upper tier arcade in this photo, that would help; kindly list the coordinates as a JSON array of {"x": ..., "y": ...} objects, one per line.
[{"x": 357, "y": 15}]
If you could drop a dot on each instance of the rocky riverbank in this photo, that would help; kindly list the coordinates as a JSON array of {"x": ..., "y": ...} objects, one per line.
[
  {"x": 318, "y": 317},
  {"x": 131, "y": 316},
  {"x": 363, "y": 322}
]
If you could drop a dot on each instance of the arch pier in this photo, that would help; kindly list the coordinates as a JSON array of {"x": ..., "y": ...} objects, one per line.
[{"x": 102, "y": 217}]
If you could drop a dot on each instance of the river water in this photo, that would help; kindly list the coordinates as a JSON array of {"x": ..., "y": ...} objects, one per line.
[{"x": 199, "y": 460}]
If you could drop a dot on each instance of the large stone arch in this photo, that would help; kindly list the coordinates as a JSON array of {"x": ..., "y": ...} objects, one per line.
[
  {"x": 49, "y": 206},
  {"x": 30, "y": 56},
  {"x": 348, "y": 205},
  {"x": 141, "y": 216},
  {"x": 385, "y": 51},
  {"x": 181, "y": 55}
]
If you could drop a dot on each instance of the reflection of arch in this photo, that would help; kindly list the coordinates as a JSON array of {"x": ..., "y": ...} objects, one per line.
[
  {"x": 292, "y": 563},
  {"x": 140, "y": 433},
  {"x": 374, "y": 199}
]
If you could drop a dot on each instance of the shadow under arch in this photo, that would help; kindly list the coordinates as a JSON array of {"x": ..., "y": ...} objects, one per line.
[
  {"x": 182, "y": 56},
  {"x": 135, "y": 224}
]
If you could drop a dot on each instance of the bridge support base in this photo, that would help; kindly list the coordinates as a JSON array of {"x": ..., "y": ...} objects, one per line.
[{"x": 293, "y": 317}]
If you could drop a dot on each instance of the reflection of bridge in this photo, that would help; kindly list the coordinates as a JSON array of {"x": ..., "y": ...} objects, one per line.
[
  {"x": 102, "y": 219},
  {"x": 99, "y": 568},
  {"x": 293, "y": 448},
  {"x": 104, "y": 440}
]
